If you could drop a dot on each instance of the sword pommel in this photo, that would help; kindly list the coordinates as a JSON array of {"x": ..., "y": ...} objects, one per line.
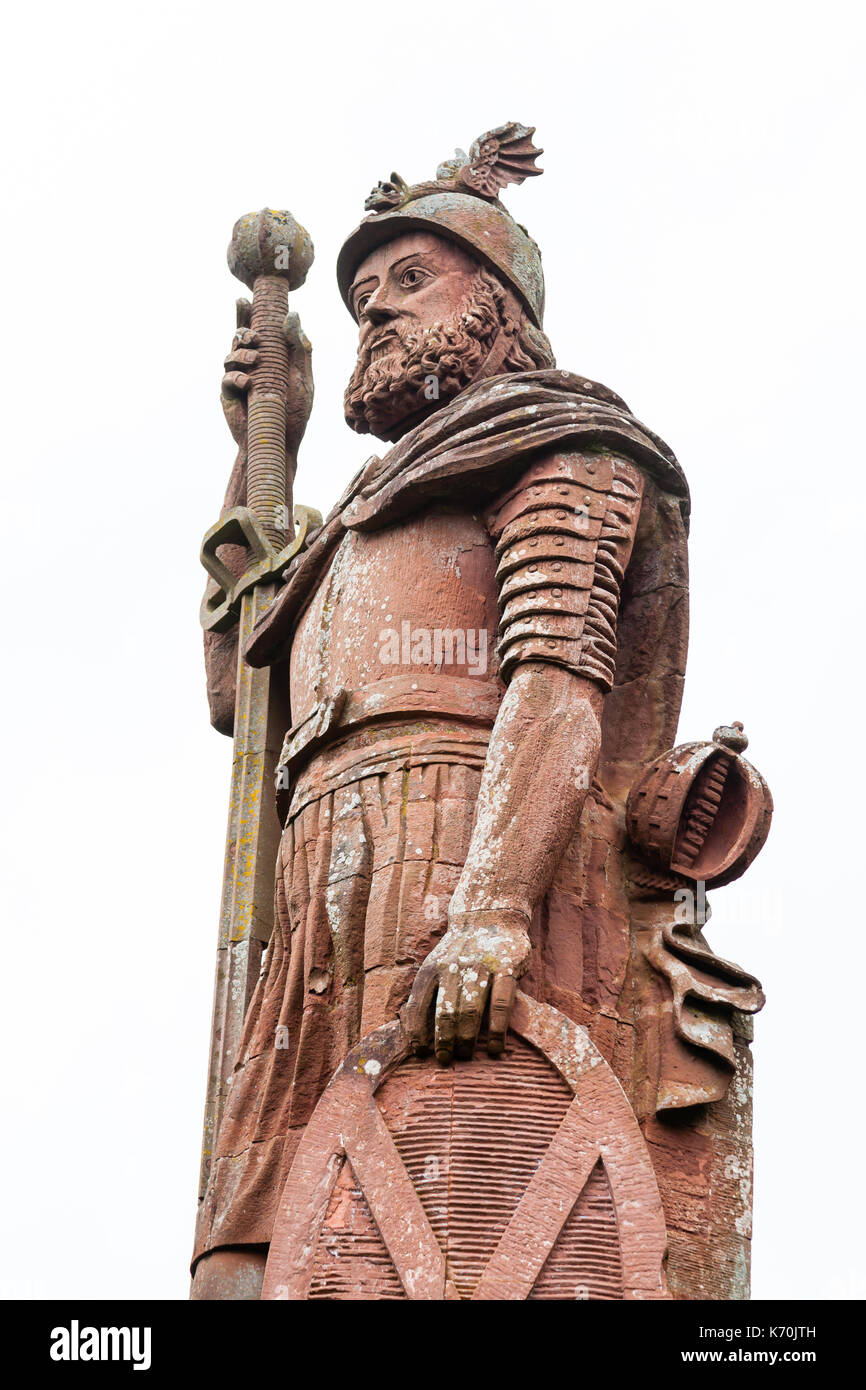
[{"x": 270, "y": 243}]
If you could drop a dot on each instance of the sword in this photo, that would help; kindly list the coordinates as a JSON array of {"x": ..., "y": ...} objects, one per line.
[{"x": 271, "y": 253}]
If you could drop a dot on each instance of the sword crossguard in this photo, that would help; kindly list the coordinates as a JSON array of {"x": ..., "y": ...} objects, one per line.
[{"x": 220, "y": 609}]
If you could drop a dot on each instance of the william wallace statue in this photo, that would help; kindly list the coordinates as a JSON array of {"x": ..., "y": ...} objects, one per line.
[{"x": 486, "y": 1051}]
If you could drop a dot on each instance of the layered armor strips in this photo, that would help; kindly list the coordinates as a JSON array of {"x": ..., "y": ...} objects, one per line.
[{"x": 563, "y": 537}]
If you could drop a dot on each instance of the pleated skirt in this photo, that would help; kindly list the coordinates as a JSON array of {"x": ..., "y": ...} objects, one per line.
[{"x": 365, "y": 876}]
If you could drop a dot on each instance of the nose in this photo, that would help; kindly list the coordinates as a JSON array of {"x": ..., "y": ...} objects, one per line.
[{"x": 377, "y": 310}]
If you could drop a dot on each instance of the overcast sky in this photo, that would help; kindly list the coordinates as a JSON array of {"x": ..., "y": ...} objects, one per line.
[{"x": 700, "y": 218}]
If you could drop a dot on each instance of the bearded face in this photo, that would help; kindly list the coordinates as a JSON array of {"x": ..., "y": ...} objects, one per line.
[
  {"x": 431, "y": 322},
  {"x": 404, "y": 369}
]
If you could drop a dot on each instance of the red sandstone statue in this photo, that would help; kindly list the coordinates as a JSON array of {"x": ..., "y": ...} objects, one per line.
[{"x": 489, "y": 1053}]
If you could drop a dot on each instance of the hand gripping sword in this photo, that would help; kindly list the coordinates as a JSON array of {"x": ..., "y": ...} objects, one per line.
[{"x": 271, "y": 253}]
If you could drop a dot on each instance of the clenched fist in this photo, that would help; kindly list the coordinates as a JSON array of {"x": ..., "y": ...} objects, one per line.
[{"x": 240, "y": 370}]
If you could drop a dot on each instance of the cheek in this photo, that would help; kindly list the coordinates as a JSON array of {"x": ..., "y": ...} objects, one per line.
[{"x": 440, "y": 302}]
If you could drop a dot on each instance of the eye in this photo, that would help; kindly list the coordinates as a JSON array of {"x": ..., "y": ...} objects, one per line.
[
  {"x": 413, "y": 277},
  {"x": 361, "y": 304}
]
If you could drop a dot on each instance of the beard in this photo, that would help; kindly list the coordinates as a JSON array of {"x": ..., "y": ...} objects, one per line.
[{"x": 423, "y": 368}]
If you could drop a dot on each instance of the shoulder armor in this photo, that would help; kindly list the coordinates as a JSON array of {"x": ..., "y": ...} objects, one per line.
[{"x": 563, "y": 539}]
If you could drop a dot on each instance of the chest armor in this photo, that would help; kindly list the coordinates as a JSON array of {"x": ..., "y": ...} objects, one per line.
[{"x": 416, "y": 598}]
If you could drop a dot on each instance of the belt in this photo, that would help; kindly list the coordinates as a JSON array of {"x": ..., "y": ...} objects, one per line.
[{"x": 462, "y": 697}]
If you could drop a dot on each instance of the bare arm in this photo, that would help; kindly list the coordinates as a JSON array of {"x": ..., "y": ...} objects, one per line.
[
  {"x": 542, "y": 756},
  {"x": 563, "y": 536},
  {"x": 221, "y": 648}
]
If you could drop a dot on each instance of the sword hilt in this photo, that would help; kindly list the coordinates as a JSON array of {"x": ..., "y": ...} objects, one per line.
[
  {"x": 271, "y": 253},
  {"x": 267, "y": 479}
]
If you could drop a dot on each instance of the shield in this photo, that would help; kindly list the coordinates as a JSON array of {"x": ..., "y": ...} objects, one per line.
[{"x": 520, "y": 1177}]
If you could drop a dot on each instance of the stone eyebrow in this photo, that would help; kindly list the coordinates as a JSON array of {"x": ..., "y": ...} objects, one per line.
[
  {"x": 353, "y": 289},
  {"x": 414, "y": 256}
]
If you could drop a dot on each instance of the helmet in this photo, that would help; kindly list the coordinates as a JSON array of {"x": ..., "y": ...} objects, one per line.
[{"x": 462, "y": 204}]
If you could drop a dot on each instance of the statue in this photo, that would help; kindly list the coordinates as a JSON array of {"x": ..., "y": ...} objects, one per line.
[{"x": 482, "y": 1049}]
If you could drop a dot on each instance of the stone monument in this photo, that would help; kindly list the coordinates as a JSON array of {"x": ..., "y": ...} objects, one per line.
[{"x": 475, "y": 1044}]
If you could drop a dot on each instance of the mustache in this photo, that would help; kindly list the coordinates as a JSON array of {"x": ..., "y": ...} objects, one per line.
[{"x": 396, "y": 335}]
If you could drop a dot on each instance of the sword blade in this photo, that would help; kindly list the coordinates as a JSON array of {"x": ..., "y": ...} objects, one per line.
[{"x": 252, "y": 846}]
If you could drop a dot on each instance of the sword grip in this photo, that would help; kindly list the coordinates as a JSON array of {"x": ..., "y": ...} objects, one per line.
[{"x": 268, "y": 485}]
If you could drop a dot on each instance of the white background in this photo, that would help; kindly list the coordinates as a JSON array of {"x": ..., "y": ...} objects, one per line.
[{"x": 701, "y": 223}]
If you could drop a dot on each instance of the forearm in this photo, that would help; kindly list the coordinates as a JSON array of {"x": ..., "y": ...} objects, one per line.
[
  {"x": 221, "y": 648},
  {"x": 542, "y": 756},
  {"x": 221, "y": 668}
]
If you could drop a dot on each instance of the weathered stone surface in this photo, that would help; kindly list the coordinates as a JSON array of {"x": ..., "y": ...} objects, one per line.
[
  {"x": 521, "y": 1177},
  {"x": 479, "y": 659}
]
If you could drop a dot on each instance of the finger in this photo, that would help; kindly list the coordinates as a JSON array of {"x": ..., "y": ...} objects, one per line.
[
  {"x": 245, "y": 338},
  {"x": 502, "y": 997},
  {"x": 241, "y": 357},
  {"x": 243, "y": 312},
  {"x": 235, "y": 383},
  {"x": 473, "y": 995},
  {"x": 446, "y": 1016},
  {"x": 416, "y": 1011}
]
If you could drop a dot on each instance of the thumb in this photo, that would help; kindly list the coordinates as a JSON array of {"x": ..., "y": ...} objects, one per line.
[{"x": 295, "y": 335}]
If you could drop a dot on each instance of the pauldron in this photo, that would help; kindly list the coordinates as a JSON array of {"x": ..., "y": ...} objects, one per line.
[{"x": 563, "y": 538}]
